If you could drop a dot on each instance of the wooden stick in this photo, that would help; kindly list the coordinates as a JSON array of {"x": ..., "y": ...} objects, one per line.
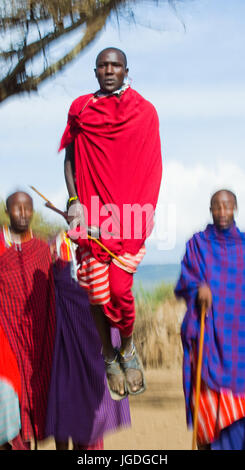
[
  {"x": 34, "y": 189},
  {"x": 58, "y": 211},
  {"x": 106, "y": 249},
  {"x": 198, "y": 377},
  {"x": 51, "y": 206}
]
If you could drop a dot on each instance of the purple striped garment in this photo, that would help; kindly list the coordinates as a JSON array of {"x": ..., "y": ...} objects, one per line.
[
  {"x": 217, "y": 258},
  {"x": 80, "y": 405}
]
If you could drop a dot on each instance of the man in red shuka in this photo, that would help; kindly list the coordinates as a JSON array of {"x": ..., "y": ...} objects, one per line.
[
  {"x": 27, "y": 327},
  {"x": 113, "y": 170}
]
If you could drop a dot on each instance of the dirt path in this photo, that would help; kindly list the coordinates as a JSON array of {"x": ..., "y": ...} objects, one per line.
[{"x": 158, "y": 417}]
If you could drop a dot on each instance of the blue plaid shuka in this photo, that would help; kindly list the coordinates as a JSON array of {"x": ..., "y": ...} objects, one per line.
[{"x": 217, "y": 258}]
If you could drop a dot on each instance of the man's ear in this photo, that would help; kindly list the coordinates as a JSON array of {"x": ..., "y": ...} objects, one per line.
[{"x": 95, "y": 72}]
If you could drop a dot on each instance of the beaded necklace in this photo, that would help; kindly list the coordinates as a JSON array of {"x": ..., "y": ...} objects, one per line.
[{"x": 9, "y": 239}]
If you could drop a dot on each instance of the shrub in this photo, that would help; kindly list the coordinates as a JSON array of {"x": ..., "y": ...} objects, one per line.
[{"x": 157, "y": 327}]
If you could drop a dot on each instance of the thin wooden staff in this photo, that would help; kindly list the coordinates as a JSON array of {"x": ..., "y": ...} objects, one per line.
[
  {"x": 198, "y": 377},
  {"x": 51, "y": 206}
]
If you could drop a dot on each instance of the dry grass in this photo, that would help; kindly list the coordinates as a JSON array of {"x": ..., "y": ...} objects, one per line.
[{"x": 157, "y": 329}]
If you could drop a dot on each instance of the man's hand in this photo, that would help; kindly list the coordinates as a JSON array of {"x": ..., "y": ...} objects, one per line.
[
  {"x": 75, "y": 215},
  {"x": 204, "y": 296}
]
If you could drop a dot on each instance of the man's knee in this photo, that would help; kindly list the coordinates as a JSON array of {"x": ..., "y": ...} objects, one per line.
[{"x": 120, "y": 288}]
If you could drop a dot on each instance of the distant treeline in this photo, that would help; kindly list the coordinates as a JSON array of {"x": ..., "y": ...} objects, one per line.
[{"x": 41, "y": 227}]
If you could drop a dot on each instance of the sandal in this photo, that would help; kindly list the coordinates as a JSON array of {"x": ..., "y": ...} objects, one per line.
[
  {"x": 113, "y": 368},
  {"x": 133, "y": 363}
]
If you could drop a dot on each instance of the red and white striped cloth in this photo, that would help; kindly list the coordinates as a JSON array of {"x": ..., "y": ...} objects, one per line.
[
  {"x": 132, "y": 261},
  {"x": 217, "y": 410},
  {"x": 94, "y": 276}
]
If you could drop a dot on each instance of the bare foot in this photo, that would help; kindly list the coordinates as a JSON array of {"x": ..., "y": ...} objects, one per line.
[
  {"x": 116, "y": 383},
  {"x": 133, "y": 372},
  {"x": 134, "y": 379},
  {"x": 115, "y": 378}
]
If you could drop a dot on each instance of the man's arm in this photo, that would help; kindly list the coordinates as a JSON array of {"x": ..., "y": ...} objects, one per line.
[
  {"x": 191, "y": 285},
  {"x": 69, "y": 169},
  {"x": 75, "y": 214}
]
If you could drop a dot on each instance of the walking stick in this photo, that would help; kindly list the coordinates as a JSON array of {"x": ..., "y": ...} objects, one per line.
[
  {"x": 51, "y": 206},
  {"x": 198, "y": 377}
]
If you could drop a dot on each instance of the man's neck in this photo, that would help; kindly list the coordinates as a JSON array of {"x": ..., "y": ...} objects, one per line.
[
  {"x": 17, "y": 237},
  {"x": 117, "y": 92},
  {"x": 224, "y": 229}
]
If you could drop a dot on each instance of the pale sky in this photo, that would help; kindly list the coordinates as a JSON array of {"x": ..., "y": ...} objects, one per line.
[{"x": 191, "y": 66}]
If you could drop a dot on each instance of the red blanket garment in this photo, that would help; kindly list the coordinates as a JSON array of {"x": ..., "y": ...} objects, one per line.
[
  {"x": 27, "y": 315},
  {"x": 118, "y": 158}
]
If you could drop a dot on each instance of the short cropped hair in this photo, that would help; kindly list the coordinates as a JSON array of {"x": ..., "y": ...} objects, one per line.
[
  {"x": 226, "y": 191},
  {"x": 113, "y": 49},
  {"x": 8, "y": 200}
]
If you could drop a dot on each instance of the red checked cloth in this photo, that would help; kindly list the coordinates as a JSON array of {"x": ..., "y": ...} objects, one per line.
[{"x": 27, "y": 316}]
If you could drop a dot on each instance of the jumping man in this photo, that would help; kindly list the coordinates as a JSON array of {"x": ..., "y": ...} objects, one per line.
[{"x": 112, "y": 165}]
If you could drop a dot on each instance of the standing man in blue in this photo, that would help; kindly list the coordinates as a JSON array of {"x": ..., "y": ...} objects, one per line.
[{"x": 213, "y": 274}]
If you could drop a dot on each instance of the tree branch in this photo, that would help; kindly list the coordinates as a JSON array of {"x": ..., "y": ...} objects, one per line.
[{"x": 12, "y": 84}]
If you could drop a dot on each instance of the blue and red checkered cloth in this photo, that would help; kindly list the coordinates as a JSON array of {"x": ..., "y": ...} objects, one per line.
[{"x": 217, "y": 258}]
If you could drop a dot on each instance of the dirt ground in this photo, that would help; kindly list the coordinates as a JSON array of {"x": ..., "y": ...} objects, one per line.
[{"x": 158, "y": 417}]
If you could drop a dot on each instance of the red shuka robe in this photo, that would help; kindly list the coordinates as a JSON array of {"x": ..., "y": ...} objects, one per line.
[{"x": 118, "y": 158}]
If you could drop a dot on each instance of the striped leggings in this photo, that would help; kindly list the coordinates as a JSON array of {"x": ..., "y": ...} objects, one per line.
[{"x": 110, "y": 285}]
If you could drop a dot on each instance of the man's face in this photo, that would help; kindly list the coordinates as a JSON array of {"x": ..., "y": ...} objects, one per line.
[
  {"x": 222, "y": 208},
  {"x": 110, "y": 70},
  {"x": 20, "y": 212}
]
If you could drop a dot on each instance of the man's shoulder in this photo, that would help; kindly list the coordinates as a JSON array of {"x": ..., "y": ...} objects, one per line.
[
  {"x": 79, "y": 102},
  {"x": 197, "y": 236},
  {"x": 81, "y": 98},
  {"x": 2, "y": 242}
]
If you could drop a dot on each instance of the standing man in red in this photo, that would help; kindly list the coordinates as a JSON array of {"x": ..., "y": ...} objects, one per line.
[
  {"x": 113, "y": 170},
  {"x": 27, "y": 327}
]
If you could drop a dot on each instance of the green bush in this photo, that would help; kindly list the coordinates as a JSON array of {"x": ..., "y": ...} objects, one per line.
[{"x": 149, "y": 300}]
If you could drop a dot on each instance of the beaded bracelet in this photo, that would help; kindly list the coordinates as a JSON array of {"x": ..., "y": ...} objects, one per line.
[{"x": 73, "y": 198}]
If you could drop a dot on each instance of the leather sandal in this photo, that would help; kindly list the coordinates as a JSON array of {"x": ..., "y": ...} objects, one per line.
[
  {"x": 113, "y": 368},
  {"x": 133, "y": 362}
]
